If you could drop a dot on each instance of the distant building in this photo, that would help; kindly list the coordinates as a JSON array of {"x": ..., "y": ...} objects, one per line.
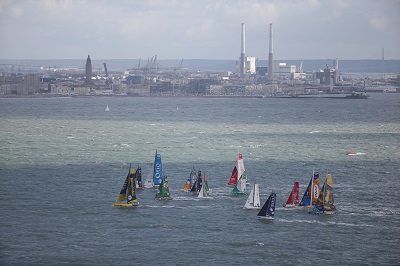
[{"x": 88, "y": 80}]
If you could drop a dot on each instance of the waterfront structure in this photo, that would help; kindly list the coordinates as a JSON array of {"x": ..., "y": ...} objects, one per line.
[
  {"x": 270, "y": 57},
  {"x": 242, "y": 67},
  {"x": 88, "y": 80}
]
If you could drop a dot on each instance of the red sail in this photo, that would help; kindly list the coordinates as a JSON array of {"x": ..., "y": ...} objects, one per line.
[
  {"x": 295, "y": 193},
  {"x": 234, "y": 177},
  {"x": 293, "y": 198}
]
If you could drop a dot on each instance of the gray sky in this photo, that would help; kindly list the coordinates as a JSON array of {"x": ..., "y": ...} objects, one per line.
[{"x": 198, "y": 29}]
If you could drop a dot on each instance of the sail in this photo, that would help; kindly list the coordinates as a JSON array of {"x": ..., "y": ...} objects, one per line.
[
  {"x": 131, "y": 192},
  {"x": 191, "y": 180},
  {"x": 234, "y": 176},
  {"x": 256, "y": 200},
  {"x": 319, "y": 204},
  {"x": 328, "y": 200},
  {"x": 240, "y": 187},
  {"x": 238, "y": 171},
  {"x": 196, "y": 186},
  {"x": 187, "y": 186},
  {"x": 293, "y": 199},
  {"x": 139, "y": 177},
  {"x": 315, "y": 190},
  {"x": 312, "y": 192},
  {"x": 268, "y": 209},
  {"x": 128, "y": 191},
  {"x": 206, "y": 188},
  {"x": 122, "y": 193},
  {"x": 253, "y": 201},
  {"x": 240, "y": 167},
  {"x": 157, "y": 171},
  {"x": 163, "y": 190}
]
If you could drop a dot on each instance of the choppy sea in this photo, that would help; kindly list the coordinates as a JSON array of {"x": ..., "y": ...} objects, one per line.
[{"x": 64, "y": 160}]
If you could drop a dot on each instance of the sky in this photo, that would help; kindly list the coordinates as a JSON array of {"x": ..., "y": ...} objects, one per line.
[{"x": 199, "y": 29}]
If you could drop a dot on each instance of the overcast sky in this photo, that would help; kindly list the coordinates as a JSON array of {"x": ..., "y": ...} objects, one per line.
[{"x": 198, "y": 29}]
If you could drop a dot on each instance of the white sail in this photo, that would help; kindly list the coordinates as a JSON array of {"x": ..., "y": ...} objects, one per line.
[
  {"x": 107, "y": 109},
  {"x": 253, "y": 201},
  {"x": 201, "y": 192}
]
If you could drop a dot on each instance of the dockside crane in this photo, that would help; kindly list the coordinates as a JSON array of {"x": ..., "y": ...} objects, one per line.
[{"x": 108, "y": 80}]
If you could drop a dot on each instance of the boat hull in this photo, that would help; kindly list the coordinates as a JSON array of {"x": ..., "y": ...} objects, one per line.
[
  {"x": 265, "y": 217},
  {"x": 252, "y": 208},
  {"x": 290, "y": 205},
  {"x": 125, "y": 205}
]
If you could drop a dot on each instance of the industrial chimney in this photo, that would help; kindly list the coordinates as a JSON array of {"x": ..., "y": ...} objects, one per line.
[
  {"x": 271, "y": 56},
  {"x": 242, "y": 68}
]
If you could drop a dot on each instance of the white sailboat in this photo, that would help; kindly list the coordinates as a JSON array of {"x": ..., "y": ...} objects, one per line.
[
  {"x": 253, "y": 201},
  {"x": 107, "y": 109}
]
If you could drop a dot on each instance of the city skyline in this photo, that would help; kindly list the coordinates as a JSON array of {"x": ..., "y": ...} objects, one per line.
[{"x": 196, "y": 29}]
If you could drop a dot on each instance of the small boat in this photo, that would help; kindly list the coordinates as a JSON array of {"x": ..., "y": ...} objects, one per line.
[
  {"x": 157, "y": 176},
  {"x": 352, "y": 153},
  {"x": 253, "y": 201},
  {"x": 163, "y": 190},
  {"x": 107, "y": 109},
  {"x": 238, "y": 171},
  {"x": 240, "y": 187},
  {"x": 204, "y": 192},
  {"x": 128, "y": 191},
  {"x": 293, "y": 199},
  {"x": 268, "y": 209},
  {"x": 326, "y": 203},
  {"x": 312, "y": 192}
]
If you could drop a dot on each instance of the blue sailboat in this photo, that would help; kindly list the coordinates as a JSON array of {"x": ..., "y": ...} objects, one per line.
[
  {"x": 157, "y": 172},
  {"x": 268, "y": 209}
]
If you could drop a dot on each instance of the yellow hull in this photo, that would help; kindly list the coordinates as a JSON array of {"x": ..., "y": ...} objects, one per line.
[{"x": 124, "y": 205}]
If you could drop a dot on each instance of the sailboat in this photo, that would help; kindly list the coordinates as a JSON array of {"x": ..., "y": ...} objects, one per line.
[
  {"x": 191, "y": 179},
  {"x": 240, "y": 187},
  {"x": 312, "y": 192},
  {"x": 128, "y": 191},
  {"x": 238, "y": 171},
  {"x": 293, "y": 199},
  {"x": 325, "y": 203},
  {"x": 107, "y": 109},
  {"x": 253, "y": 201},
  {"x": 268, "y": 209},
  {"x": 163, "y": 190},
  {"x": 157, "y": 172},
  {"x": 196, "y": 186},
  {"x": 204, "y": 191}
]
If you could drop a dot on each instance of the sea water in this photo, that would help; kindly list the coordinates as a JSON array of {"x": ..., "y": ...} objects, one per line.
[{"x": 63, "y": 162}]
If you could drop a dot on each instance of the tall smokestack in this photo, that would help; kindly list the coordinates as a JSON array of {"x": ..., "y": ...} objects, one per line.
[
  {"x": 242, "y": 54},
  {"x": 271, "y": 56}
]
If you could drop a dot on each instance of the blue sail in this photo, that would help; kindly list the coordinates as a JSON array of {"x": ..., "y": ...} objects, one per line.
[
  {"x": 271, "y": 205},
  {"x": 157, "y": 173},
  {"x": 306, "y": 200}
]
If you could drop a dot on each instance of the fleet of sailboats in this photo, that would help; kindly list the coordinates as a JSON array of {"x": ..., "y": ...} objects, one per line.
[{"x": 318, "y": 201}]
